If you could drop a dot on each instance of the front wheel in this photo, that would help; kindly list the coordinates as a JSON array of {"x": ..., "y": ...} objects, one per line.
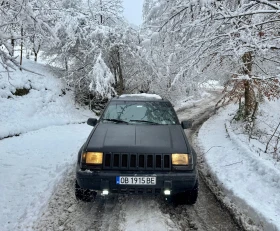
[
  {"x": 85, "y": 195},
  {"x": 188, "y": 197}
]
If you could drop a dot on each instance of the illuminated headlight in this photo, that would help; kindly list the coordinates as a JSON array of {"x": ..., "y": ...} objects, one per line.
[
  {"x": 167, "y": 192},
  {"x": 180, "y": 159},
  {"x": 95, "y": 158}
]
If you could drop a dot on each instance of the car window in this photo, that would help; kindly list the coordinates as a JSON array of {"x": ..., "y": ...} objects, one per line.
[{"x": 140, "y": 113}]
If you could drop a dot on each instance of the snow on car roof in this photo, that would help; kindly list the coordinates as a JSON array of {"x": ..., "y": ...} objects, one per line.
[{"x": 142, "y": 95}]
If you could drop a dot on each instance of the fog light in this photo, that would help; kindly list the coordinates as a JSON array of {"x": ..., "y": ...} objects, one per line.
[
  {"x": 105, "y": 192},
  {"x": 167, "y": 192}
]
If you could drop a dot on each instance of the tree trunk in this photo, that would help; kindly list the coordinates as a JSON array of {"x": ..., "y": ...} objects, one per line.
[
  {"x": 21, "y": 48},
  {"x": 249, "y": 93},
  {"x": 66, "y": 64},
  {"x": 247, "y": 98},
  {"x": 247, "y": 61},
  {"x": 121, "y": 82},
  {"x": 13, "y": 46},
  {"x": 115, "y": 74},
  {"x": 36, "y": 52},
  {"x": 101, "y": 16}
]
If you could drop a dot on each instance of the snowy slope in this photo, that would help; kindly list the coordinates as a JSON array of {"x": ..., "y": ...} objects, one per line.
[
  {"x": 31, "y": 164},
  {"x": 250, "y": 177},
  {"x": 45, "y": 104}
]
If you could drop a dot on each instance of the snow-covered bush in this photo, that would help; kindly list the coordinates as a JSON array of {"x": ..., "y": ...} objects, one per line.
[{"x": 102, "y": 79}]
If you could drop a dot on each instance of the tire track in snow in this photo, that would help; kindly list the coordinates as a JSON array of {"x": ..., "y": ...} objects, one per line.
[
  {"x": 144, "y": 213},
  {"x": 64, "y": 212},
  {"x": 113, "y": 213}
]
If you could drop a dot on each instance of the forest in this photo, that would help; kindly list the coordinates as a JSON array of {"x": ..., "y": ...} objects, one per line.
[{"x": 180, "y": 46}]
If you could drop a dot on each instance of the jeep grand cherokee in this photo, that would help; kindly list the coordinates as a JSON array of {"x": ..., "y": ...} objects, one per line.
[{"x": 137, "y": 146}]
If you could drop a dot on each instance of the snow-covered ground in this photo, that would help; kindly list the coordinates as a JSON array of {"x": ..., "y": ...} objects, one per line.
[
  {"x": 250, "y": 177},
  {"x": 47, "y": 103},
  {"x": 203, "y": 94},
  {"x": 30, "y": 167},
  {"x": 32, "y": 163},
  {"x": 191, "y": 101}
]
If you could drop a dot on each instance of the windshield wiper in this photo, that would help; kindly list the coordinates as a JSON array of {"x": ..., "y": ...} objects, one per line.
[
  {"x": 116, "y": 121},
  {"x": 144, "y": 121}
]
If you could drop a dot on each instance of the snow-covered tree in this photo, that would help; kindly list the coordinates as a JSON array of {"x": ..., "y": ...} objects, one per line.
[
  {"x": 92, "y": 27},
  {"x": 192, "y": 41},
  {"x": 101, "y": 79},
  {"x": 106, "y": 12},
  {"x": 19, "y": 22},
  {"x": 83, "y": 29}
]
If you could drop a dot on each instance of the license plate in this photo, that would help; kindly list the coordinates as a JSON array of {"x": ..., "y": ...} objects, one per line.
[{"x": 136, "y": 180}]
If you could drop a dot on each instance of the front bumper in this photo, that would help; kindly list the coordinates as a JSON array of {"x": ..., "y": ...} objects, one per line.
[{"x": 101, "y": 180}]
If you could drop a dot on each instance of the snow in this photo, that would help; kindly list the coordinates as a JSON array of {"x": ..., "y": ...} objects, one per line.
[
  {"x": 47, "y": 103},
  {"x": 191, "y": 101},
  {"x": 155, "y": 36},
  {"x": 143, "y": 95},
  {"x": 146, "y": 215},
  {"x": 31, "y": 166},
  {"x": 146, "y": 43},
  {"x": 33, "y": 163},
  {"x": 101, "y": 79},
  {"x": 211, "y": 85},
  {"x": 250, "y": 178}
]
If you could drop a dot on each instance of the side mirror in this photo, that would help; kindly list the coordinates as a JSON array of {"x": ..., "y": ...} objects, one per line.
[
  {"x": 92, "y": 122},
  {"x": 186, "y": 124}
]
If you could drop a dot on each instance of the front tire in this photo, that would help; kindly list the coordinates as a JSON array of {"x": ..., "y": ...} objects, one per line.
[
  {"x": 85, "y": 195},
  {"x": 188, "y": 197}
]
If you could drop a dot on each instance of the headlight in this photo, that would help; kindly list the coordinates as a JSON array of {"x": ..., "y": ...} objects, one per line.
[
  {"x": 93, "y": 158},
  {"x": 180, "y": 159}
]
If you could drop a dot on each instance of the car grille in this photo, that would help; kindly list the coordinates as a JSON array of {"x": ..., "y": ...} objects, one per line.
[{"x": 137, "y": 161}]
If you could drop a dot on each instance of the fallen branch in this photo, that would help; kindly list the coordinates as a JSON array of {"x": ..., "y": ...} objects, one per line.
[
  {"x": 271, "y": 137},
  {"x": 211, "y": 148},
  {"x": 240, "y": 162}
]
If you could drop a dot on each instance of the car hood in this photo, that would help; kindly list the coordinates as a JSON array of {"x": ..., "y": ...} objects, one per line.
[{"x": 138, "y": 139}]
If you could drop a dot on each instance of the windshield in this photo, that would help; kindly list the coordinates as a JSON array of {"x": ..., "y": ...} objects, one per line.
[{"x": 140, "y": 113}]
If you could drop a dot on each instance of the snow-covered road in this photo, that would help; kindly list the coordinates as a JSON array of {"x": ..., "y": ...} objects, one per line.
[
  {"x": 118, "y": 212},
  {"x": 31, "y": 166},
  {"x": 37, "y": 169}
]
